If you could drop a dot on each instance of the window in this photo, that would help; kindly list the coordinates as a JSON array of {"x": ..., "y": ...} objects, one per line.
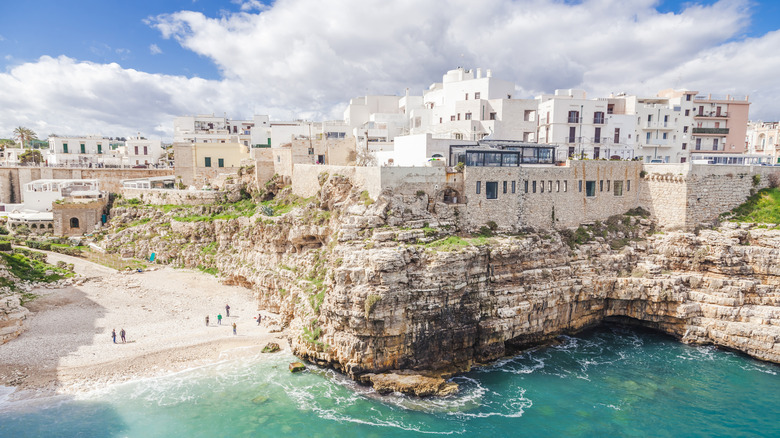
[
  {"x": 208, "y": 162},
  {"x": 458, "y": 136},
  {"x": 617, "y": 136},
  {"x": 549, "y": 186},
  {"x": 311, "y": 151},
  {"x": 479, "y": 187},
  {"x": 590, "y": 188},
  {"x": 608, "y": 181},
  {"x": 648, "y": 137},
  {"x": 452, "y": 118},
  {"x": 557, "y": 185},
  {"x": 440, "y": 119},
  {"x": 64, "y": 148},
  {"x": 468, "y": 116},
  {"x": 683, "y": 160},
  {"x": 687, "y": 112},
  {"x": 688, "y": 97},
  {"x": 83, "y": 148},
  {"x": 572, "y": 134},
  {"x": 221, "y": 162},
  {"x": 74, "y": 222},
  {"x": 476, "y": 95},
  {"x": 146, "y": 150},
  {"x": 684, "y": 146},
  {"x": 541, "y": 186},
  {"x": 534, "y": 186},
  {"x": 698, "y": 144},
  {"x": 664, "y": 135},
  {"x": 628, "y": 185},
  {"x": 526, "y": 186},
  {"x": 596, "y": 153},
  {"x": 598, "y": 117},
  {"x": 574, "y": 117},
  {"x": 458, "y": 116},
  {"x": 685, "y": 129},
  {"x": 597, "y": 135},
  {"x": 649, "y": 118},
  {"x": 714, "y": 144},
  {"x": 492, "y": 116},
  {"x": 580, "y": 186},
  {"x": 601, "y": 185},
  {"x": 513, "y": 186},
  {"x": 100, "y": 148},
  {"x": 136, "y": 150},
  {"x": 565, "y": 186},
  {"x": 618, "y": 188},
  {"x": 505, "y": 186},
  {"x": 467, "y": 96},
  {"x": 491, "y": 189}
]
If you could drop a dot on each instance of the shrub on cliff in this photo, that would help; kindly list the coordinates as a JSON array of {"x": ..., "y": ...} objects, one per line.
[{"x": 764, "y": 207}]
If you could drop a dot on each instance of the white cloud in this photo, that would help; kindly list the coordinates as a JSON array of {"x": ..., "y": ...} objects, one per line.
[
  {"x": 154, "y": 49},
  {"x": 308, "y": 57}
]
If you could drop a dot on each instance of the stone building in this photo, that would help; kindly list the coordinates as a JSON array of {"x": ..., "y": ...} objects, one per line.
[{"x": 78, "y": 216}]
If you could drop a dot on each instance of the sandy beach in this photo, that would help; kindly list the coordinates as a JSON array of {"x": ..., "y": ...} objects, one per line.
[{"x": 67, "y": 346}]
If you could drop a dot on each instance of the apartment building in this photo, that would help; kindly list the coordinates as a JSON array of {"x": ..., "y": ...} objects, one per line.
[
  {"x": 763, "y": 138},
  {"x": 720, "y": 124},
  {"x": 586, "y": 128}
]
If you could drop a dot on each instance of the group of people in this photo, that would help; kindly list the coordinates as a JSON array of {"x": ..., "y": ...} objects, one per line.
[
  {"x": 227, "y": 315},
  {"x": 122, "y": 334}
]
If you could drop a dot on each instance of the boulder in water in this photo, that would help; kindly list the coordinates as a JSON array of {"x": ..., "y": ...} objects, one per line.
[{"x": 296, "y": 367}]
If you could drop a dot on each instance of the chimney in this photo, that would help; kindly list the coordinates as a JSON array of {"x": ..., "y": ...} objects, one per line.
[
  {"x": 489, "y": 73},
  {"x": 479, "y": 73}
]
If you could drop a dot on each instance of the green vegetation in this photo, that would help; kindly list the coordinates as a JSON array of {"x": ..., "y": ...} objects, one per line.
[
  {"x": 209, "y": 270},
  {"x": 455, "y": 243},
  {"x": 764, "y": 206},
  {"x": 312, "y": 333},
  {"x": 371, "y": 301},
  {"x": 366, "y": 198},
  {"x": 29, "y": 265},
  {"x": 243, "y": 208},
  {"x": 283, "y": 204},
  {"x": 756, "y": 180}
]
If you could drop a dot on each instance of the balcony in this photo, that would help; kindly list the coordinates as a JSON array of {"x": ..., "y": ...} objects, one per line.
[
  {"x": 659, "y": 142},
  {"x": 711, "y": 115},
  {"x": 574, "y": 119},
  {"x": 599, "y": 121},
  {"x": 666, "y": 126},
  {"x": 710, "y": 131}
]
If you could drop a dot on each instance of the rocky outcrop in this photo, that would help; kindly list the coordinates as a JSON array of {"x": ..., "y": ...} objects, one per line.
[
  {"x": 373, "y": 286},
  {"x": 12, "y": 317}
]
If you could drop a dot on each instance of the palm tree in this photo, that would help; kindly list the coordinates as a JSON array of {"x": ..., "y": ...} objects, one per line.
[{"x": 24, "y": 134}]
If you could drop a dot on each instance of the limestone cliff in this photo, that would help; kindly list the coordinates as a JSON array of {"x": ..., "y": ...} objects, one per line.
[{"x": 373, "y": 286}]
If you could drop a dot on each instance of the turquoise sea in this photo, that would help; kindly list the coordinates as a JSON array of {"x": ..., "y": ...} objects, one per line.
[{"x": 609, "y": 381}]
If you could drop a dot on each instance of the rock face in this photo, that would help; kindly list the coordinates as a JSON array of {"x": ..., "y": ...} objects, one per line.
[
  {"x": 371, "y": 287},
  {"x": 12, "y": 318}
]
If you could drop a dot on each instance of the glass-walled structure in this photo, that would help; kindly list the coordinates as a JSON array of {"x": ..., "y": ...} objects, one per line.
[{"x": 501, "y": 155}]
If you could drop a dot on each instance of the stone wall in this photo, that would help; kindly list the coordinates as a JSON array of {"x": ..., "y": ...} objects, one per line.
[
  {"x": 681, "y": 196},
  {"x": 88, "y": 214},
  {"x": 550, "y": 196},
  {"x": 306, "y": 178},
  {"x": 173, "y": 196},
  {"x": 12, "y": 317},
  {"x": 12, "y": 178}
]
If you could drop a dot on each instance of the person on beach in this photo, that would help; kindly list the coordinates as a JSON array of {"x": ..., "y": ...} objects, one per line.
[
  {"x": 259, "y": 317},
  {"x": 227, "y": 311},
  {"x": 207, "y": 320},
  {"x": 113, "y": 335},
  {"x": 219, "y": 319},
  {"x": 234, "y": 328},
  {"x": 122, "y": 334}
]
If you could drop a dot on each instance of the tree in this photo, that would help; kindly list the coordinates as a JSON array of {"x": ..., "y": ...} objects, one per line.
[
  {"x": 24, "y": 135},
  {"x": 31, "y": 156}
]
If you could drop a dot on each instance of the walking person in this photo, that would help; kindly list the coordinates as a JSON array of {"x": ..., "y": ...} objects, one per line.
[
  {"x": 259, "y": 317},
  {"x": 207, "y": 320},
  {"x": 122, "y": 334},
  {"x": 227, "y": 311},
  {"x": 113, "y": 335},
  {"x": 219, "y": 319},
  {"x": 234, "y": 328}
]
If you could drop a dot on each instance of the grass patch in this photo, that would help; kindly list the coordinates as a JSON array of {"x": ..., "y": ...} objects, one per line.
[
  {"x": 763, "y": 207},
  {"x": 32, "y": 269}
]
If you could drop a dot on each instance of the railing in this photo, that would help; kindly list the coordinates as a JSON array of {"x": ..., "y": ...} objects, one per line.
[
  {"x": 598, "y": 120},
  {"x": 711, "y": 114},
  {"x": 721, "y": 131},
  {"x": 574, "y": 119}
]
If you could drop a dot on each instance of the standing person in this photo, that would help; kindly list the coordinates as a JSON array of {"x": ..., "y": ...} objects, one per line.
[
  {"x": 207, "y": 320},
  {"x": 259, "y": 317},
  {"x": 219, "y": 319},
  {"x": 122, "y": 334},
  {"x": 113, "y": 335},
  {"x": 227, "y": 311},
  {"x": 234, "y": 328}
]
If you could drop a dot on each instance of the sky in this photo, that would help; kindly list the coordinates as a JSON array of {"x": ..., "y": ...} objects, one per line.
[{"x": 123, "y": 67}]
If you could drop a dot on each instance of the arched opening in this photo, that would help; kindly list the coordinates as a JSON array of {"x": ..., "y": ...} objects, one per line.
[
  {"x": 451, "y": 196},
  {"x": 74, "y": 222},
  {"x": 34, "y": 226},
  {"x": 50, "y": 226}
]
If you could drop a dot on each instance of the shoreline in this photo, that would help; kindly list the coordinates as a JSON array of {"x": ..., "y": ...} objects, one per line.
[{"x": 67, "y": 346}]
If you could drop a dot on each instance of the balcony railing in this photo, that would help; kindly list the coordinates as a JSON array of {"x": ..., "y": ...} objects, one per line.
[
  {"x": 712, "y": 114},
  {"x": 716, "y": 131},
  {"x": 598, "y": 120},
  {"x": 575, "y": 119}
]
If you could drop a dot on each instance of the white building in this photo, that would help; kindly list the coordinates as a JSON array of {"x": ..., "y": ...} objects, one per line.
[
  {"x": 38, "y": 197},
  {"x": 764, "y": 138},
  {"x": 142, "y": 151},
  {"x": 98, "y": 151}
]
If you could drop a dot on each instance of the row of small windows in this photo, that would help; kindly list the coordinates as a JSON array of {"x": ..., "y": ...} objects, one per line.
[{"x": 616, "y": 187}]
